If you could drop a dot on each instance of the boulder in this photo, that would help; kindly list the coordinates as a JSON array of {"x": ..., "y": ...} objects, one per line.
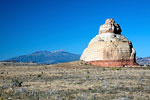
[{"x": 109, "y": 48}]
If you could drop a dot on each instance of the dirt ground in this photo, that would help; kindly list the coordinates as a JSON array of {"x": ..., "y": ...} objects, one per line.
[{"x": 74, "y": 81}]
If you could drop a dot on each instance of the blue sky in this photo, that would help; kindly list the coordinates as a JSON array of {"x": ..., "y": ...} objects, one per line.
[{"x": 27, "y": 26}]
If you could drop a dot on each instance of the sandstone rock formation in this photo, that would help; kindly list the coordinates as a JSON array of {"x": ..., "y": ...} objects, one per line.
[{"x": 109, "y": 48}]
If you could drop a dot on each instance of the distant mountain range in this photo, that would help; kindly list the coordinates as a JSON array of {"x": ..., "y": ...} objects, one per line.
[
  {"x": 46, "y": 57},
  {"x": 143, "y": 61},
  {"x": 59, "y": 56}
]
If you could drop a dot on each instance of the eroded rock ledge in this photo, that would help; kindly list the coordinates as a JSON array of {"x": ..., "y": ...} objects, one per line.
[{"x": 109, "y": 48}]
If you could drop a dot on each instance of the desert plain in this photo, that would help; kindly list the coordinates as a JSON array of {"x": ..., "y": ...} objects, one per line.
[{"x": 74, "y": 81}]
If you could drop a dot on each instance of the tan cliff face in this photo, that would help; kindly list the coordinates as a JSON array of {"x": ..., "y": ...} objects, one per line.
[{"x": 109, "y": 48}]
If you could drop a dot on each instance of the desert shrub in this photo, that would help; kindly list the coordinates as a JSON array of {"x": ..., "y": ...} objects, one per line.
[
  {"x": 16, "y": 82},
  {"x": 1, "y": 98},
  {"x": 115, "y": 68},
  {"x": 84, "y": 63},
  {"x": 39, "y": 75},
  {"x": 21, "y": 90}
]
